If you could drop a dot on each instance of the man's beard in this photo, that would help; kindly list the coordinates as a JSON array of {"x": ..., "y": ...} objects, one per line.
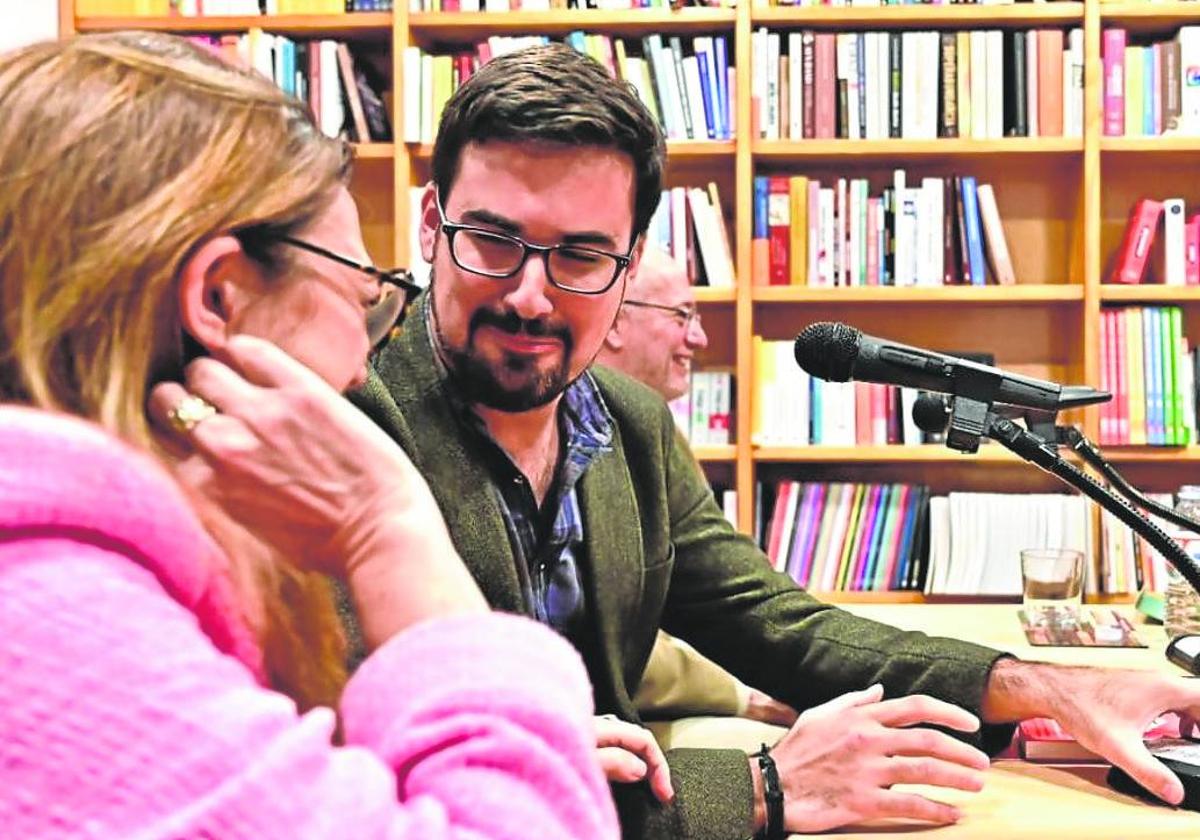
[{"x": 480, "y": 383}]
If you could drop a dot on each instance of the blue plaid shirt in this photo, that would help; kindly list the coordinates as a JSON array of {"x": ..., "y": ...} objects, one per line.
[{"x": 548, "y": 541}]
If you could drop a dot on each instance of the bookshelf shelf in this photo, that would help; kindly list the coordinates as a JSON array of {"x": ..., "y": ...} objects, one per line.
[
  {"x": 707, "y": 294},
  {"x": 893, "y": 17},
  {"x": 1153, "y": 454},
  {"x": 1148, "y": 293},
  {"x": 716, "y": 454},
  {"x": 842, "y": 597},
  {"x": 374, "y": 151},
  {"x": 1142, "y": 16},
  {"x": 349, "y": 26},
  {"x": 1149, "y": 145},
  {"x": 928, "y": 454},
  {"x": 469, "y": 26},
  {"x": 834, "y": 149},
  {"x": 1000, "y": 295}
]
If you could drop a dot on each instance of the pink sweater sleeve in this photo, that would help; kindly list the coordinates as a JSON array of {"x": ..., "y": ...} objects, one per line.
[{"x": 121, "y": 719}]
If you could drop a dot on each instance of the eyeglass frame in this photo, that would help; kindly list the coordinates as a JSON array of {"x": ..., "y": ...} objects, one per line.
[
  {"x": 401, "y": 278},
  {"x": 452, "y": 229},
  {"x": 690, "y": 314}
]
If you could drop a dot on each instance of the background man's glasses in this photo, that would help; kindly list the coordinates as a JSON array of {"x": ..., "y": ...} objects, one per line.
[
  {"x": 572, "y": 268},
  {"x": 685, "y": 316},
  {"x": 398, "y": 289}
]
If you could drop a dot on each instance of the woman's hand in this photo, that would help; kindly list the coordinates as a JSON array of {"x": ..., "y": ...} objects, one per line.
[{"x": 296, "y": 464}]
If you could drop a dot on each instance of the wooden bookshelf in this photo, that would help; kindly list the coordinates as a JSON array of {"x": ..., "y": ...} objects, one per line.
[{"x": 1064, "y": 202}]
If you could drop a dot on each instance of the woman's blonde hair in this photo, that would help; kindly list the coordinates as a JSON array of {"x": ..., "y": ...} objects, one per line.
[{"x": 120, "y": 153}]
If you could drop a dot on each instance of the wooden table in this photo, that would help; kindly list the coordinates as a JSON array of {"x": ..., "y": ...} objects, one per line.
[{"x": 1023, "y": 800}]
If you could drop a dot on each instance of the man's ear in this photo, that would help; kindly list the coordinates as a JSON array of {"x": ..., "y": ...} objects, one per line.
[
  {"x": 430, "y": 221},
  {"x": 211, "y": 291},
  {"x": 614, "y": 339}
]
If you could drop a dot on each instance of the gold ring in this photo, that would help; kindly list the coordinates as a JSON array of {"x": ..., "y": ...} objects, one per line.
[{"x": 188, "y": 413}]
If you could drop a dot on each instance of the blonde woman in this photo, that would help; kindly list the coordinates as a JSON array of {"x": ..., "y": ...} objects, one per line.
[{"x": 182, "y": 269}]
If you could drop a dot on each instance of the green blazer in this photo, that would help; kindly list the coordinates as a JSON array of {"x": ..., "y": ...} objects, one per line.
[{"x": 660, "y": 552}]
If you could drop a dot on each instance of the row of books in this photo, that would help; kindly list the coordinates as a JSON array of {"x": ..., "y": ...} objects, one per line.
[
  {"x": 1150, "y": 89},
  {"x": 688, "y": 85},
  {"x": 932, "y": 234},
  {"x": 689, "y": 224},
  {"x": 1130, "y": 563},
  {"x": 1176, "y": 262},
  {"x": 917, "y": 85},
  {"x": 849, "y": 537},
  {"x": 758, "y": 4},
  {"x": 791, "y": 408},
  {"x": 1146, "y": 363},
  {"x": 975, "y": 539},
  {"x": 213, "y": 8},
  {"x": 340, "y": 91},
  {"x": 703, "y": 413}
]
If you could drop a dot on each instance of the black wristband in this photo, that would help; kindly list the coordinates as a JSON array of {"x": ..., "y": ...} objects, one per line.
[{"x": 772, "y": 796}]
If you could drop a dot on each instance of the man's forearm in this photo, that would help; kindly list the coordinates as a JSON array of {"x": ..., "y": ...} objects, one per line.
[{"x": 1018, "y": 690}]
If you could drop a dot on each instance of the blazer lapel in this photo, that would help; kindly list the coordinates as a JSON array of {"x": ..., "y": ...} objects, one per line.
[
  {"x": 613, "y": 536},
  {"x": 424, "y": 423}
]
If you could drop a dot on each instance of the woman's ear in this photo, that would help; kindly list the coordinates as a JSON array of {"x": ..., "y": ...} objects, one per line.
[{"x": 213, "y": 286}]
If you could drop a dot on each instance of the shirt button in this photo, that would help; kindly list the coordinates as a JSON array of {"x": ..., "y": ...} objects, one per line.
[{"x": 518, "y": 480}]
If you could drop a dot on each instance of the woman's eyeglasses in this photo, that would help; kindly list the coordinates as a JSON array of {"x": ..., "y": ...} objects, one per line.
[{"x": 398, "y": 289}]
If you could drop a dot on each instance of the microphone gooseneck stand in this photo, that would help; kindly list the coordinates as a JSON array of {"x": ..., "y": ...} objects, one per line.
[{"x": 971, "y": 419}]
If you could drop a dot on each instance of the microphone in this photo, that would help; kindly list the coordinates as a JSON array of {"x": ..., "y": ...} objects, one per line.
[{"x": 838, "y": 353}]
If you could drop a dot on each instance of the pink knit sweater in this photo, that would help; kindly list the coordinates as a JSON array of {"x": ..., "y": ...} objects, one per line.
[{"x": 129, "y": 704}]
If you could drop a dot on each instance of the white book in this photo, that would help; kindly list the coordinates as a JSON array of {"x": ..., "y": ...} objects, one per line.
[
  {"x": 872, "y": 91},
  {"x": 679, "y": 228},
  {"x": 701, "y": 408},
  {"x": 469, "y": 6},
  {"x": 1189, "y": 59},
  {"x": 701, "y": 130},
  {"x": 907, "y": 201},
  {"x": 332, "y": 110},
  {"x": 910, "y": 113},
  {"x": 929, "y": 82},
  {"x": 771, "y": 111},
  {"x": 980, "y": 81},
  {"x": 1173, "y": 243},
  {"x": 910, "y": 433},
  {"x": 934, "y": 189},
  {"x": 854, "y": 235},
  {"x": 1073, "y": 92},
  {"x": 758, "y": 76},
  {"x": 937, "y": 573},
  {"x": 993, "y": 234},
  {"x": 729, "y": 506},
  {"x": 826, "y": 229},
  {"x": 722, "y": 408},
  {"x": 855, "y": 129},
  {"x": 717, "y": 264},
  {"x": 883, "y": 82},
  {"x": 995, "y": 89}
]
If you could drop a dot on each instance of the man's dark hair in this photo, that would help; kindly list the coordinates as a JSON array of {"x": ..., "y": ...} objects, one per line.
[{"x": 552, "y": 94}]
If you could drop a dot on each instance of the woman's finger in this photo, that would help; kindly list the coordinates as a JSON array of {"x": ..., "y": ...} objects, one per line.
[{"x": 620, "y": 765}]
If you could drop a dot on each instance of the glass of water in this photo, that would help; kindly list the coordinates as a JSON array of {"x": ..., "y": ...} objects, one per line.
[{"x": 1052, "y": 581}]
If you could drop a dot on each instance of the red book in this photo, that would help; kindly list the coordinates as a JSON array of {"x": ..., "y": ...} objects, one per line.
[
  {"x": 1130, "y": 264},
  {"x": 825, "y": 83},
  {"x": 779, "y": 230},
  {"x": 1191, "y": 251}
]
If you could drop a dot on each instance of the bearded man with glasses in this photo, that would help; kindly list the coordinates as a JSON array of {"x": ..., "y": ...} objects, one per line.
[{"x": 572, "y": 498}]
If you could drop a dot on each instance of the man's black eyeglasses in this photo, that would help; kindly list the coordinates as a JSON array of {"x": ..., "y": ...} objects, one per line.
[
  {"x": 398, "y": 289},
  {"x": 685, "y": 316},
  {"x": 572, "y": 268}
]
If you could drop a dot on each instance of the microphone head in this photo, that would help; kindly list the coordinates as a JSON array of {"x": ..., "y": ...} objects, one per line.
[
  {"x": 931, "y": 412},
  {"x": 827, "y": 350}
]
